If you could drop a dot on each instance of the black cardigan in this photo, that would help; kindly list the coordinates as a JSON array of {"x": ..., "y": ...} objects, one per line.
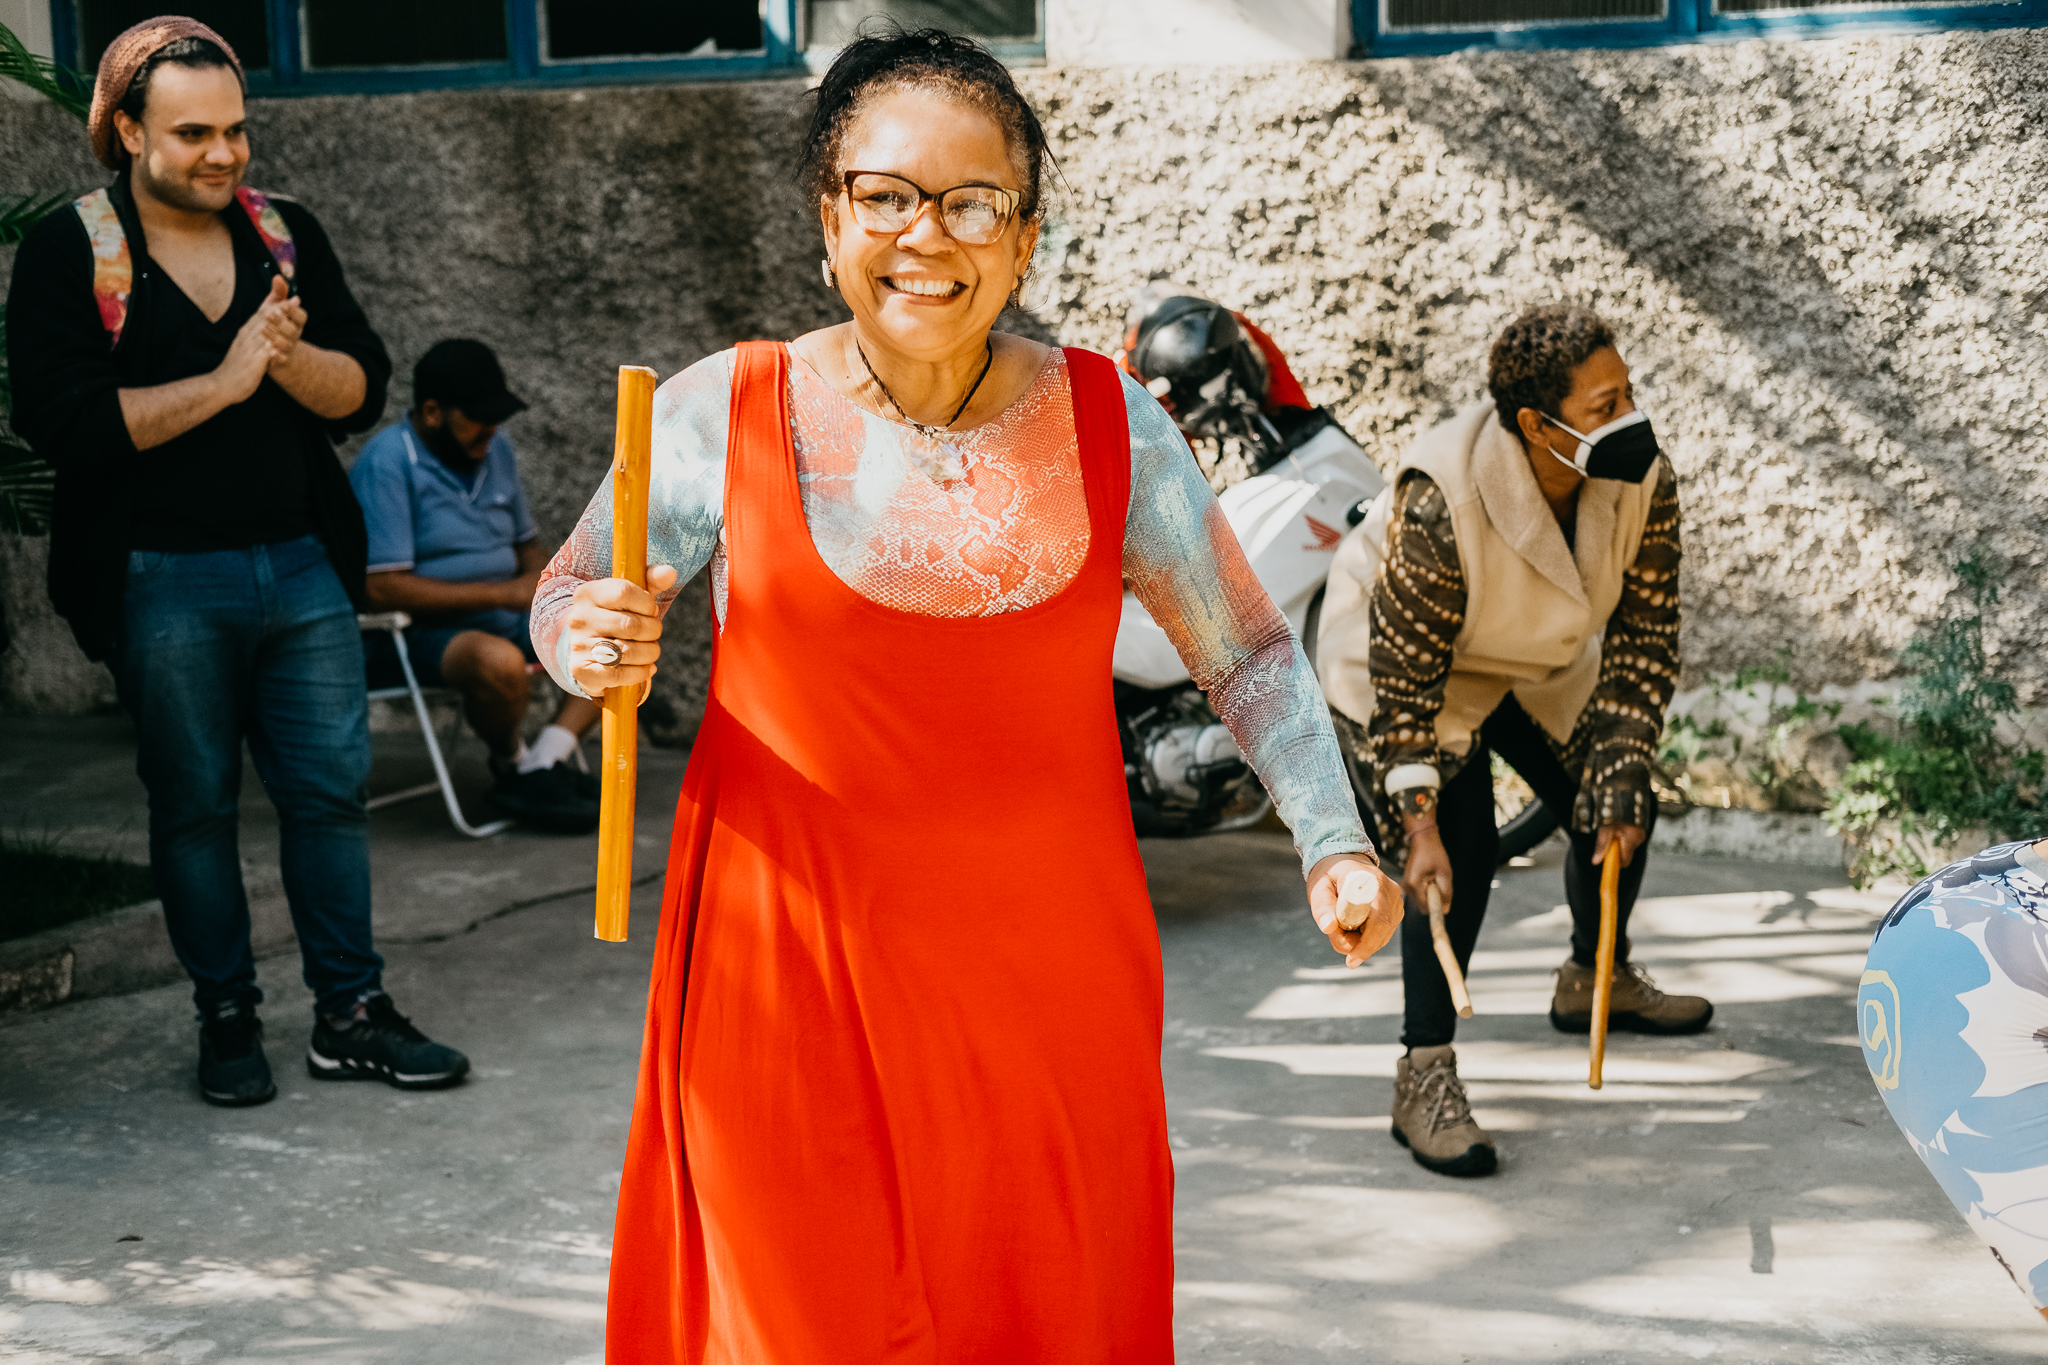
[{"x": 67, "y": 405}]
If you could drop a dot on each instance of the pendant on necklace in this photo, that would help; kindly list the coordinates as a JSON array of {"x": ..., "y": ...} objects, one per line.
[{"x": 944, "y": 462}]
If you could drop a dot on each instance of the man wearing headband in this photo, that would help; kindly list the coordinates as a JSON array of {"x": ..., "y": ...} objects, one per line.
[
  {"x": 453, "y": 544},
  {"x": 1514, "y": 592},
  {"x": 183, "y": 351}
]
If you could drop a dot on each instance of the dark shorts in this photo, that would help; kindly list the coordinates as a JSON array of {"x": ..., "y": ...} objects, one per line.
[{"x": 426, "y": 642}]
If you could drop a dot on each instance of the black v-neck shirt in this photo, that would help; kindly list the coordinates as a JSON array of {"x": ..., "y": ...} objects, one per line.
[
  {"x": 260, "y": 471},
  {"x": 238, "y": 478}
]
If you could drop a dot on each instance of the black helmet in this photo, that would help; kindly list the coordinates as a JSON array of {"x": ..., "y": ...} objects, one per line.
[{"x": 1190, "y": 352}]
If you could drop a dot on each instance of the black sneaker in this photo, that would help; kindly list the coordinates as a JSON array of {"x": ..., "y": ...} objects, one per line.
[
  {"x": 546, "y": 798},
  {"x": 382, "y": 1045},
  {"x": 586, "y": 784},
  {"x": 233, "y": 1072}
]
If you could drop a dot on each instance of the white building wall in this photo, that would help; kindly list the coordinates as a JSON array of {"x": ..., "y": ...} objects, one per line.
[
  {"x": 1828, "y": 262},
  {"x": 1082, "y": 33}
]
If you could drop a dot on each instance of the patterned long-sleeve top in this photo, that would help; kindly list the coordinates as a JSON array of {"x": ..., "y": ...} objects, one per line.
[
  {"x": 987, "y": 521},
  {"x": 1418, "y": 609}
]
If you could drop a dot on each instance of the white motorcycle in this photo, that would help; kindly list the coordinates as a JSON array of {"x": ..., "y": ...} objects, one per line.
[{"x": 1185, "y": 772}]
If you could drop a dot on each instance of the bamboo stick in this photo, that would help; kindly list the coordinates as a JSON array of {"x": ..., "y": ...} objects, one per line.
[
  {"x": 1441, "y": 938},
  {"x": 631, "y": 456},
  {"x": 1603, "y": 959}
]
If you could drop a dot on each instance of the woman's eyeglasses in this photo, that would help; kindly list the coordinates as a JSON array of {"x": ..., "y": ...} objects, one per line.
[{"x": 973, "y": 215}]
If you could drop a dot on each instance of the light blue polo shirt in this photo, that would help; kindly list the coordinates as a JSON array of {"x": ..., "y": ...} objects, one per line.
[{"x": 423, "y": 517}]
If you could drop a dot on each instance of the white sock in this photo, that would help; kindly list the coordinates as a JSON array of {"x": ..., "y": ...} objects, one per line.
[{"x": 550, "y": 747}]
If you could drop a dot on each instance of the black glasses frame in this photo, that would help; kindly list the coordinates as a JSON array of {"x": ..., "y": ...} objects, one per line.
[{"x": 925, "y": 196}]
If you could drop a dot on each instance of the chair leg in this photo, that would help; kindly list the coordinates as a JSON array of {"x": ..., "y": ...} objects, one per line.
[{"x": 419, "y": 701}]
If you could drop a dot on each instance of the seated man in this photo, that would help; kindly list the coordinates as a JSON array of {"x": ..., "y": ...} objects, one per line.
[{"x": 453, "y": 544}]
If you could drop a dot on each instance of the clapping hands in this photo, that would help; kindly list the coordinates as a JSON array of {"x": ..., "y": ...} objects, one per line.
[
  {"x": 266, "y": 344},
  {"x": 284, "y": 319}
]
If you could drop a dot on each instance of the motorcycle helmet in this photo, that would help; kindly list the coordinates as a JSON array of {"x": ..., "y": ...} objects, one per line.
[{"x": 1190, "y": 354}]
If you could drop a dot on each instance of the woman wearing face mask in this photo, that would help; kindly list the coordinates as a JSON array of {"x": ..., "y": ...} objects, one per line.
[
  {"x": 900, "y": 1095},
  {"x": 1514, "y": 592}
]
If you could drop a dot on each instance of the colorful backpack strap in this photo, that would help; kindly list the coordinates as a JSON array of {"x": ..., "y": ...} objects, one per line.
[
  {"x": 113, "y": 275},
  {"x": 113, "y": 278},
  {"x": 270, "y": 227}
]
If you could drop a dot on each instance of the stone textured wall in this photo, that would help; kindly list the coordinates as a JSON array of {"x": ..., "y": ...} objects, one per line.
[{"x": 1828, "y": 262}]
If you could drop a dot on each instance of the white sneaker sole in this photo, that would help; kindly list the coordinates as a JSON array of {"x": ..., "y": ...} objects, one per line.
[{"x": 345, "y": 1069}]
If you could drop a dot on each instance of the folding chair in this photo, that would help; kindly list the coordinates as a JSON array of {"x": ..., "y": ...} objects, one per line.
[{"x": 396, "y": 622}]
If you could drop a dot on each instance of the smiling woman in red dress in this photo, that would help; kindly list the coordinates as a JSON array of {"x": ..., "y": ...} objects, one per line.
[{"x": 899, "y": 1094}]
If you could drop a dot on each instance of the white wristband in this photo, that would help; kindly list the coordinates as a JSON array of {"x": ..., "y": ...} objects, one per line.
[{"x": 1411, "y": 775}]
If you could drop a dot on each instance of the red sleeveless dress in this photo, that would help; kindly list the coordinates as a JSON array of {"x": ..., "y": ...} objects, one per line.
[{"x": 899, "y": 1095}]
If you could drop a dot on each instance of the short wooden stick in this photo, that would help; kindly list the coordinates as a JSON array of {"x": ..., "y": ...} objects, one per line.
[
  {"x": 1603, "y": 960},
  {"x": 1441, "y": 938},
  {"x": 631, "y": 456}
]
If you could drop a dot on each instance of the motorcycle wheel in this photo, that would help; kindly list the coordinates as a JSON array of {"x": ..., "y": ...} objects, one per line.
[
  {"x": 1312, "y": 626},
  {"x": 1530, "y": 826}
]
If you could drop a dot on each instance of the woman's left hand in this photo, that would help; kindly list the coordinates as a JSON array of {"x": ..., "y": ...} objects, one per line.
[
  {"x": 1325, "y": 889},
  {"x": 1625, "y": 838}
]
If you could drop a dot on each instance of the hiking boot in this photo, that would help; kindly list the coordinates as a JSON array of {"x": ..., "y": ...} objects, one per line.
[
  {"x": 380, "y": 1044},
  {"x": 546, "y": 798},
  {"x": 1635, "y": 1005},
  {"x": 1432, "y": 1117},
  {"x": 233, "y": 1072}
]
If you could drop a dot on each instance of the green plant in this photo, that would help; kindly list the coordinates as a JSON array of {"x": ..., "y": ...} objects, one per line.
[
  {"x": 1765, "y": 760},
  {"x": 27, "y": 483},
  {"x": 60, "y": 85},
  {"x": 1940, "y": 770}
]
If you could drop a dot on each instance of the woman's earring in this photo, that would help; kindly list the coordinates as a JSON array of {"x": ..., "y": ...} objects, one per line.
[{"x": 825, "y": 269}]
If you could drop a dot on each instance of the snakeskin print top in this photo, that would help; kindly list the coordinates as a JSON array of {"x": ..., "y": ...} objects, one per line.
[
  {"x": 1419, "y": 608},
  {"x": 991, "y": 520}
]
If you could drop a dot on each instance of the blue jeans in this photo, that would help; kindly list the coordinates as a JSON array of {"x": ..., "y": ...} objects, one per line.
[
  {"x": 257, "y": 645},
  {"x": 425, "y": 643}
]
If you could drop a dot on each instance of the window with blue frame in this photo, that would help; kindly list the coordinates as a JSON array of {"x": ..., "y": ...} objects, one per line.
[
  {"x": 243, "y": 23},
  {"x": 331, "y": 46},
  {"x": 1418, "y": 27}
]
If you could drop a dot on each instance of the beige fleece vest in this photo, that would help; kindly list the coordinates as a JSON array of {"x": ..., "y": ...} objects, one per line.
[{"x": 1534, "y": 609}]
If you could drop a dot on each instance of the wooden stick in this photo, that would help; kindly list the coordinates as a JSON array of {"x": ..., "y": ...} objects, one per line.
[
  {"x": 631, "y": 456},
  {"x": 1603, "y": 959},
  {"x": 1355, "y": 898},
  {"x": 1441, "y": 937}
]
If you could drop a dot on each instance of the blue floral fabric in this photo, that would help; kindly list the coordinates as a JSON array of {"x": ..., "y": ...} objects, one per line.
[{"x": 1953, "y": 1014}]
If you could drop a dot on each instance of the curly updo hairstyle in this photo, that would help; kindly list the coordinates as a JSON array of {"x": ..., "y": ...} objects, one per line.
[
  {"x": 891, "y": 59},
  {"x": 1533, "y": 359}
]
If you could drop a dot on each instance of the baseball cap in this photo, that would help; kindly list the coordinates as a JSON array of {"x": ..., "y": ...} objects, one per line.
[{"x": 460, "y": 373}]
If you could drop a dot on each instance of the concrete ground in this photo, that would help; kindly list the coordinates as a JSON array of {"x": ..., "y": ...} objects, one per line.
[{"x": 1740, "y": 1196}]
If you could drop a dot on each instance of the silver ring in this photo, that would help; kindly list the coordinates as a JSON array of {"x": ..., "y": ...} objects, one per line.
[{"x": 606, "y": 652}]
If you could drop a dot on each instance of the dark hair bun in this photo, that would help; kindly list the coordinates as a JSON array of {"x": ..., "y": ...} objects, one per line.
[{"x": 893, "y": 58}]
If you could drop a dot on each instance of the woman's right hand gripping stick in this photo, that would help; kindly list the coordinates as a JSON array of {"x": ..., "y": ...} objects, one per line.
[
  {"x": 1363, "y": 915},
  {"x": 614, "y": 609}
]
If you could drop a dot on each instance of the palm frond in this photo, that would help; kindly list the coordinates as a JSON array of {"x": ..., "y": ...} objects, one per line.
[
  {"x": 18, "y": 215},
  {"x": 59, "y": 84},
  {"x": 28, "y": 488}
]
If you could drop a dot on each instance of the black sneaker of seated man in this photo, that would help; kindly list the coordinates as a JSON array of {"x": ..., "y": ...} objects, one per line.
[
  {"x": 548, "y": 798},
  {"x": 233, "y": 1072},
  {"x": 377, "y": 1043}
]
